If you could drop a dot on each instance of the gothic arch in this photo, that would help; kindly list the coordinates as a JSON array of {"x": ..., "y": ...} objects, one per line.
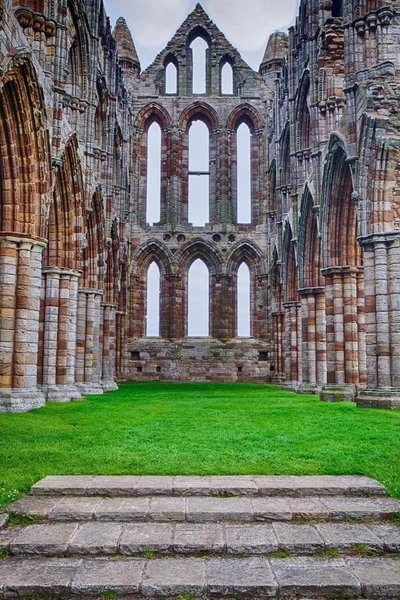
[
  {"x": 246, "y": 251},
  {"x": 24, "y": 152},
  {"x": 290, "y": 279},
  {"x": 152, "y": 250},
  {"x": 199, "y": 248},
  {"x": 78, "y": 52},
  {"x": 303, "y": 113},
  {"x": 309, "y": 246},
  {"x": 153, "y": 112},
  {"x": 202, "y": 111},
  {"x": 339, "y": 211},
  {"x": 245, "y": 113},
  {"x": 285, "y": 156},
  {"x": 94, "y": 250},
  {"x": 67, "y": 212}
]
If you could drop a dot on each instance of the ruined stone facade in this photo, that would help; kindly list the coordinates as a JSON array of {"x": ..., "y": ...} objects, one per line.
[{"x": 322, "y": 244}]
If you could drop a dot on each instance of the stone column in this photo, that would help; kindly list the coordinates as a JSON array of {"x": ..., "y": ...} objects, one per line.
[
  {"x": 108, "y": 354},
  {"x": 277, "y": 375},
  {"x": 223, "y": 309},
  {"x": 291, "y": 347},
  {"x": 313, "y": 340},
  {"x": 382, "y": 320},
  {"x": 345, "y": 334},
  {"x": 178, "y": 302},
  {"x": 20, "y": 289},
  {"x": 59, "y": 336},
  {"x": 88, "y": 341}
]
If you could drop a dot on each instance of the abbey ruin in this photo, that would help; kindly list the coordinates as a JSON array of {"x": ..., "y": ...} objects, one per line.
[{"x": 321, "y": 245}]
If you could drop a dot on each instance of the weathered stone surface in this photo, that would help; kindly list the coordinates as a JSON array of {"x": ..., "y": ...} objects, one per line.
[
  {"x": 47, "y": 539},
  {"x": 8, "y": 534},
  {"x": 149, "y": 485},
  {"x": 33, "y": 506},
  {"x": 167, "y": 509},
  {"x": 359, "y": 485},
  {"x": 121, "y": 485},
  {"x": 346, "y": 535},
  {"x": 271, "y": 509},
  {"x": 74, "y": 509},
  {"x": 97, "y": 576},
  {"x": 122, "y": 509},
  {"x": 319, "y": 485},
  {"x": 233, "y": 485},
  {"x": 173, "y": 576},
  {"x": 298, "y": 538},
  {"x": 140, "y": 537},
  {"x": 275, "y": 485},
  {"x": 307, "y": 508},
  {"x": 315, "y": 578},
  {"x": 248, "y": 577},
  {"x": 54, "y": 485},
  {"x": 218, "y": 509},
  {"x": 3, "y": 519},
  {"x": 193, "y": 538},
  {"x": 361, "y": 507},
  {"x": 96, "y": 538},
  {"x": 50, "y": 576},
  {"x": 379, "y": 577},
  {"x": 389, "y": 536},
  {"x": 250, "y": 539},
  {"x": 192, "y": 485}
]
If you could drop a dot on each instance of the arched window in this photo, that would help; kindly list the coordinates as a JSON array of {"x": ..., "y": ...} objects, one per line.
[
  {"x": 153, "y": 195},
  {"x": 227, "y": 79},
  {"x": 171, "y": 78},
  {"x": 243, "y": 328},
  {"x": 243, "y": 136},
  {"x": 199, "y": 173},
  {"x": 153, "y": 301},
  {"x": 337, "y": 8},
  {"x": 199, "y": 65},
  {"x": 198, "y": 300}
]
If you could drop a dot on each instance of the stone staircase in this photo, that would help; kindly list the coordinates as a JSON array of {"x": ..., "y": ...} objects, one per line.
[{"x": 244, "y": 536}]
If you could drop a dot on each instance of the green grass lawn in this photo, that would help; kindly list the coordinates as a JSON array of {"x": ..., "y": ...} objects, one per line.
[{"x": 194, "y": 428}]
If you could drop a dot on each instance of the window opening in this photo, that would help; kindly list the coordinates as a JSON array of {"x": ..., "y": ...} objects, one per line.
[
  {"x": 153, "y": 181},
  {"x": 171, "y": 79},
  {"x": 243, "y": 301},
  {"x": 227, "y": 79},
  {"x": 153, "y": 301},
  {"x": 337, "y": 8},
  {"x": 243, "y": 135},
  {"x": 198, "y": 300},
  {"x": 199, "y": 61},
  {"x": 199, "y": 173}
]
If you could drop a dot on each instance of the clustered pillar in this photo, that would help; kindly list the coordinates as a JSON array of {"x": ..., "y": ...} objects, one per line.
[{"x": 20, "y": 273}]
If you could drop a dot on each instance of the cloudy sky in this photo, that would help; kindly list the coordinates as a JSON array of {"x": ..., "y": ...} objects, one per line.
[{"x": 246, "y": 23}]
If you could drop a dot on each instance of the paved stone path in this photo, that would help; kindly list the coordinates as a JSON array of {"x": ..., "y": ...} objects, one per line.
[{"x": 281, "y": 537}]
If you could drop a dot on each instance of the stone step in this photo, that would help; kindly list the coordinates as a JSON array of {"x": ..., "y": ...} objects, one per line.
[
  {"x": 203, "y": 509},
  {"x": 304, "y": 577},
  {"x": 244, "y": 485},
  {"x": 130, "y": 539}
]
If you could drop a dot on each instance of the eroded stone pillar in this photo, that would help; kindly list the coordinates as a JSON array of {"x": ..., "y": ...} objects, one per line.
[
  {"x": 88, "y": 375},
  {"x": 382, "y": 321},
  {"x": 291, "y": 346},
  {"x": 313, "y": 342},
  {"x": 108, "y": 354},
  {"x": 20, "y": 276},
  {"x": 345, "y": 333},
  {"x": 59, "y": 335}
]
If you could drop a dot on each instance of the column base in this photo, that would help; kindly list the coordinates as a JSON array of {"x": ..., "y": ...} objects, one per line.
[
  {"x": 62, "y": 393},
  {"x": 90, "y": 388},
  {"x": 379, "y": 398},
  {"x": 109, "y": 386},
  {"x": 21, "y": 400},
  {"x": 308, "y": 388},
  {"x": 290, "y": 386},
  {"x": 338, "y": 393}
]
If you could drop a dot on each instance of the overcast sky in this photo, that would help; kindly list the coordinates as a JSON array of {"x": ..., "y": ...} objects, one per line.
[{"x": 246, "y": 23}]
